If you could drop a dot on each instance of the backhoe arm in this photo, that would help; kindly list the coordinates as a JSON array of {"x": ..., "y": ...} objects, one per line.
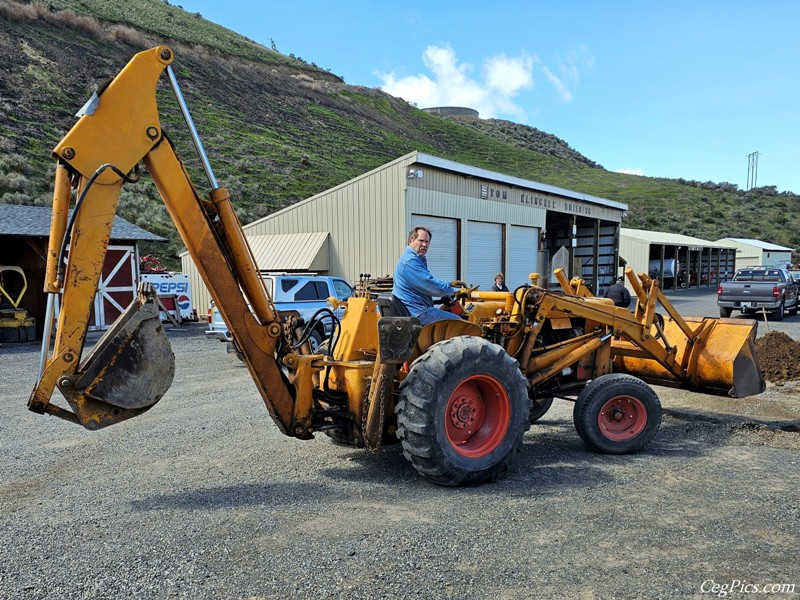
[{"x": 125, "y": 373}]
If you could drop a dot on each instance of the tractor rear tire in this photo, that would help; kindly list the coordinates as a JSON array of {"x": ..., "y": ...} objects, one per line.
[
  {"x": 462, "y": 412},
  {"x": 617, "y": 414}
]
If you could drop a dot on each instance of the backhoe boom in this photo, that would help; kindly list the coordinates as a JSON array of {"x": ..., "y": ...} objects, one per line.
[{"x": 119, "y": 129}]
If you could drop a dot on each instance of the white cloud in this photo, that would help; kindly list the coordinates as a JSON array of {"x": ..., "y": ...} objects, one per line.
[
  {"x": 566, "y": 95},
  {"x": 569, "y": 72},
  {"x": 630, "y": 171},
  {"x": 453, "y": 84},
  {"x": 509, "y": 75},
  {"x": 494, "y": 92}
]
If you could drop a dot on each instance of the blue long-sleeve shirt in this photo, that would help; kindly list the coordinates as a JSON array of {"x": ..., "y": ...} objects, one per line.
[{"x": 414, "y": 285}]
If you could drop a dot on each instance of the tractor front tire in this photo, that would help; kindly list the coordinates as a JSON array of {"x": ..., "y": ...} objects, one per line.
[
  {"x": 462, "y": 412},
  {"x": 539, "y": 406},
  {"x": 617, "y": 414}
]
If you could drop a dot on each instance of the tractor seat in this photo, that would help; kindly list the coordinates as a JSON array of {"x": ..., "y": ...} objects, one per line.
[{"x": 391, "y": 306}]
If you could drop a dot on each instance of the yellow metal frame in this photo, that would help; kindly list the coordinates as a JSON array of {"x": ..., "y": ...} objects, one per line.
[{"x": 13, "y": 269}]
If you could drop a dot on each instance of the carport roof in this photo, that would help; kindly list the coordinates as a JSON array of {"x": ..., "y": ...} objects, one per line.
[
  {"x": 671, "y": 239},
  {"x": 291, "y": 251},
  {"x": 35, "y": 221}
]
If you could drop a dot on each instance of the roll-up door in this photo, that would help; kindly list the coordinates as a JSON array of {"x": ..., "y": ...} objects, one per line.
[
  {"x": 523, "y": 244},
  {"x": 442, "y": 255},
  {"x": 484, "y": 253}
]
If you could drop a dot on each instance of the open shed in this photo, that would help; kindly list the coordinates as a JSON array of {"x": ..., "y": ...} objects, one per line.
[
  {"x": 24, "y": 231},
  {"x": 679, "y": 261}
]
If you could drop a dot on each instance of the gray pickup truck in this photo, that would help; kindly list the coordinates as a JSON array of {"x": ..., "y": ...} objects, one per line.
[
  {"x": 306, "y": 293},
  {"x": 757, "y": 288}
]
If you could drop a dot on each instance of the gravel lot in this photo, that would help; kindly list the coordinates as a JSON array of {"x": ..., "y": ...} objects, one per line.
[{"x": 203, "y": 498}]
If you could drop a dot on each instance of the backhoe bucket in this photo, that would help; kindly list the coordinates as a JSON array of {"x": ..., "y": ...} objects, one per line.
[
  {"x": 131, "y": 367},
  {"x": 722, "y": 360}
]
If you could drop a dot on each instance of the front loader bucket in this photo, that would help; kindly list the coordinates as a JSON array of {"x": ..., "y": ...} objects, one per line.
[
  {"x": 722, "y": 360},
  {"x": 127, "y": 371}
]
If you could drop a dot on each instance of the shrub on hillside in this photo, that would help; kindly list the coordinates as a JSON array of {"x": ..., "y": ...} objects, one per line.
[{"x": 16, "y": 198}]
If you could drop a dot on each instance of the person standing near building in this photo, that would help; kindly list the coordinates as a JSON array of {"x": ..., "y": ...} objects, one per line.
[
  {"x": 414, "y": 285},
  {"x": 619, "y": 293},
  {"x": 499, "y": 283}
]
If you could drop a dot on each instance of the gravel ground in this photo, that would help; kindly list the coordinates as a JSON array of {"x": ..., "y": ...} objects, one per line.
[{"x": 203, "y": 498}]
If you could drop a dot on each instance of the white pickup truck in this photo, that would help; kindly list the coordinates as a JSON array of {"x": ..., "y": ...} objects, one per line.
[
  {"x": 759, "y": 288},
  {"x": 305, "y": 293}
]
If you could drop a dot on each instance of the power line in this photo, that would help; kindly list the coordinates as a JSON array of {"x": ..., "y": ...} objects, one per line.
[{"x": 752, "y": 171}]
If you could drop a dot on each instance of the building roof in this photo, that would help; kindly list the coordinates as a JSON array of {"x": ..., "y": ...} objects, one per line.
[
  {"x": 671, "y": 239},
  {"x": 35, "y": 221},
  {"x": 757, "y": 244},
  {"x": 443, "y": 163}
]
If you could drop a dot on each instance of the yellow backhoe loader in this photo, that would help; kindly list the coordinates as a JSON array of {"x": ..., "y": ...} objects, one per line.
[{"x": 458, "y": 395}]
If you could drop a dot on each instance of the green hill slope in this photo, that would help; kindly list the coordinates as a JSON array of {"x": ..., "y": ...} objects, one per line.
[{"x": 278, "y": 129}]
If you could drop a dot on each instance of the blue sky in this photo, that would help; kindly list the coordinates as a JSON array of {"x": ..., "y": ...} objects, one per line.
[{"x": 665, "y": 89}]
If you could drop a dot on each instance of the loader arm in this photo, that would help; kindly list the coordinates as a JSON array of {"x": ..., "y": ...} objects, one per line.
[
  {"x": 118, "y": 379},
  {"x": 708, "y": 355}
]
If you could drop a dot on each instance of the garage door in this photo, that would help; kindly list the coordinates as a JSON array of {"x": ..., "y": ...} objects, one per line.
[
  {"x": 484, "y": 253},
  {"x": 443, "y": 253},
  {"x": 523, "y": 244}
]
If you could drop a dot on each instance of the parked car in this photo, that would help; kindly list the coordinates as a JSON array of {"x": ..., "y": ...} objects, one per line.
[
  {"x": 755, "y": 288},
  {"x": 305, "y": 293}
]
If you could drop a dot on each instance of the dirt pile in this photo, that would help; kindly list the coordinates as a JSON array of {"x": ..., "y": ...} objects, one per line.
[{"x": 779, "y": 357}]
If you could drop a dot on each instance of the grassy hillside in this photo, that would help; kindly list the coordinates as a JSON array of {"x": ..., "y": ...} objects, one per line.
[{"x": 279, "y": 129}]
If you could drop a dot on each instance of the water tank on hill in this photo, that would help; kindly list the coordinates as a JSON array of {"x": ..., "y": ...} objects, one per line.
[{"x": 461, "y": 111}]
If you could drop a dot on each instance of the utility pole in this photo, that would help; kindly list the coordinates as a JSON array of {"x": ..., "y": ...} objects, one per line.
[{"x": 752, "y": 171}]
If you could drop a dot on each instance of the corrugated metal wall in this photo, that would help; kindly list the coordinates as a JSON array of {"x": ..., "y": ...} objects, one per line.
[
  {"x": 365, "y": 217},
  {"x": 636, "y": 252}
]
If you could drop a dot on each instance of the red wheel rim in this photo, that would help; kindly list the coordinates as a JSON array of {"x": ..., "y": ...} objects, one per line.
[
  {"x": 622, "y": 418},
  {"x": 477, "y": 415}
]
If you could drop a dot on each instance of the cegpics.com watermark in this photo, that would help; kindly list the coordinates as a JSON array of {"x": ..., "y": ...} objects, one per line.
[{"x": 736, "y": 586}]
